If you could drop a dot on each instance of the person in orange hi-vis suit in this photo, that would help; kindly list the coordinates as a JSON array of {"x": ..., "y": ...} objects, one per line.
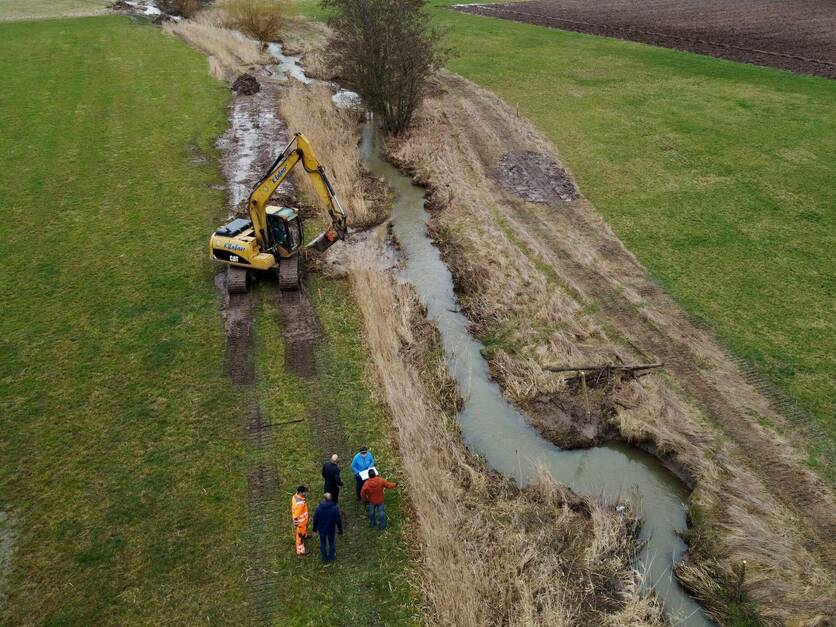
[{"x": 299, "y": 511}]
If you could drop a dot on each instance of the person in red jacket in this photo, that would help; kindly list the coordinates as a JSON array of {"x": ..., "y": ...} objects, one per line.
[{"x": 372, "y": 495}]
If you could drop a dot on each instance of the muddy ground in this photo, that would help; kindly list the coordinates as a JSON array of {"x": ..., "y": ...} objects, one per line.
[{"x": 798, "y": 35}]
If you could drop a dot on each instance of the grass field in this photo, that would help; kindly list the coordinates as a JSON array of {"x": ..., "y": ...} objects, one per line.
[
  {"x": 718, "y": 175},
  {"x": 123, "y": 482},
  {"x": 121, "y": 451},
  {"x": 39, "y": 9}
]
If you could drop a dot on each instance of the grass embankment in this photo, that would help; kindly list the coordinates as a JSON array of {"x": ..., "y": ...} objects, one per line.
[
  {"x": 122, "y": 456},
  {"x": 370, "y": 583},
  {"x": 718, "y": 175}
]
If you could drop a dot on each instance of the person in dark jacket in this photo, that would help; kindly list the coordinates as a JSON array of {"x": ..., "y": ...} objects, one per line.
[
  {"x": 326, "y": 520},
  {"x": 331, "y": 475}
]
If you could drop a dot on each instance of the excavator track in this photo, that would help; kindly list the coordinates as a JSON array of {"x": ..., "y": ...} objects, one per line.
[
  {"x": 290, "y": 273},
  {"x": 236, "y": 280}
]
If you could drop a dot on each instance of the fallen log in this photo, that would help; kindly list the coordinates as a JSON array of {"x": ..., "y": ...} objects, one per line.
[{"x": 625, "y": 367}]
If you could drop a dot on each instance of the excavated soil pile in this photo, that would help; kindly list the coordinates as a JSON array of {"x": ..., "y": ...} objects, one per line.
[
  {"x": 246, "y": 85},
  {"x": 535, "y": 177},
  {"x": 578, "y": 415},
  {"x": 797, "y": 36}
]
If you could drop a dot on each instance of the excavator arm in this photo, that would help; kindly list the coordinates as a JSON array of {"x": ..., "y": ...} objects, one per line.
[{"x": 299, "y": 150}]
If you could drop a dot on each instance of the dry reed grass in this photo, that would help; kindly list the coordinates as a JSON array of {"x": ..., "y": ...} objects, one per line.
[
  {"x": 490, "y": 553},
  {"x": 307, "y": 39},
  {"x": 532, "y": 313},
  {"x": 333, "y": 133},
  {"x": 188, "y": 8},
  {"x": 227, "y": 51}
]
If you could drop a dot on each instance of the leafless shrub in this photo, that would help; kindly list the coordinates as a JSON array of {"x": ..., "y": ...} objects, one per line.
[
  {"x": 262, "y": 20},
  {"x": 386, "y": 50},
  {"x": 187, "y": 8}
]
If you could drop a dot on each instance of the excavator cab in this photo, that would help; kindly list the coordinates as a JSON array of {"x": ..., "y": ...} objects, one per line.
[
  {"x": 273, "y": 238},
  {"x": 285, "y": 228}
]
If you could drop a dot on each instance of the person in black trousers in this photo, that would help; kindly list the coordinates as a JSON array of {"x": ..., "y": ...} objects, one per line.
[
  {"x": 331, "y": 475},
  {"x": 326, "y": 521}
]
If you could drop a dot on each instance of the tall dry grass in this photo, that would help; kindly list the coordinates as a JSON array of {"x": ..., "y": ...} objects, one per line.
[
  {"x": 333, "y": 133},
  {"x": 226, "y": 49},
  {"x": 490, "y": 552},
  {"x": 263, "y": 20}
]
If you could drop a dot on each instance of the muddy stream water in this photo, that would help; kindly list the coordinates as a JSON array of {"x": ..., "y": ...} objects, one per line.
[{"x": 497, "y": 431}]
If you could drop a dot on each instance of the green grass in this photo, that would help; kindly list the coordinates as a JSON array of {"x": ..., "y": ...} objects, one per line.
[
  {"x": 37, "y": 9},
  {"x": 370, "y": 583},
  {"x": 718, "y": 175},
  {"x": 122, "y": 456},
  {"x": 123, "y": 483}
]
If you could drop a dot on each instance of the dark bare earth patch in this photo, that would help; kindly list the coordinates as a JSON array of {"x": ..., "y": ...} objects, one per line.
[
  {"x": 799, "y": 36},
  {"x": 301, "y": 334},
  {"x": 535, "y": 177}
]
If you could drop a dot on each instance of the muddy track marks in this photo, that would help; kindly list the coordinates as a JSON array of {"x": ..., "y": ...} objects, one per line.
[
  {"x": 302, "y": 332},
  {"x": 262, "y": 493},
  {"x": 302, "y": 336},
  {"x": 262, "y": 478}
]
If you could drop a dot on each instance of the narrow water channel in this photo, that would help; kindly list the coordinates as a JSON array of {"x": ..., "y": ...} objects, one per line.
[{"x": 497, "y": 431}]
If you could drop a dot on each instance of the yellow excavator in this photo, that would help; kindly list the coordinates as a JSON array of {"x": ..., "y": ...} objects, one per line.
[{"x": 272, "y": 240}]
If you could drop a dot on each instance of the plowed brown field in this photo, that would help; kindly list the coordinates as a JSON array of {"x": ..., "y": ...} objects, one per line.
[{"x": 799, "y": 36}]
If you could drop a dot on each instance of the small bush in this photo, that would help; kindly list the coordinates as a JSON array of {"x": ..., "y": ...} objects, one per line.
[
  {"x": 262, "y": 20},
  {"x": 187, "y": 8}
]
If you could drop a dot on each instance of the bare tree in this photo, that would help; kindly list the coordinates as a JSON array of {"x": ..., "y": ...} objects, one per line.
[{"x": 386, "y": 50}]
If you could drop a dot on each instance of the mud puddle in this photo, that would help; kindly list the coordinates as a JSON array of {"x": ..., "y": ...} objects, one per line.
[
  {"x": 286, "y": 65},
  {"x": 254, "y": 137},
  {"x": 496, "y": 430}
]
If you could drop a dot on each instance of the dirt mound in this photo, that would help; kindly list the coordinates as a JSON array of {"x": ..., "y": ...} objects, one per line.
[
  {"x": 120, "y": 5},
  {"x": 535, "y": 177},
  {"x": 246, "y": 85}
]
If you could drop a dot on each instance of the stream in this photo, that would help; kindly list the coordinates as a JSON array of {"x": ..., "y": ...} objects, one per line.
[{"x": 497, "y": 431}]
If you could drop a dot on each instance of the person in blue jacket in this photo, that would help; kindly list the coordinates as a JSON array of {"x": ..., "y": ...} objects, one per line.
[
  {"x": 327, "y": 519},
  {"x": 362, "y": 461}
]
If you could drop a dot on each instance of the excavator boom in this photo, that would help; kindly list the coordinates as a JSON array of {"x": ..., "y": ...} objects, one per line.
[{"x": 297, "y": 151}]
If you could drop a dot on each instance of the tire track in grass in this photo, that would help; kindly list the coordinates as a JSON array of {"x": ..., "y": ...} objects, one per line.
[{"x": 262, "y": 477}]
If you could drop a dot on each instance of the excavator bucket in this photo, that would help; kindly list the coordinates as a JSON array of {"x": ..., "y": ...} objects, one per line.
[{"x": 324, "y": 240}]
